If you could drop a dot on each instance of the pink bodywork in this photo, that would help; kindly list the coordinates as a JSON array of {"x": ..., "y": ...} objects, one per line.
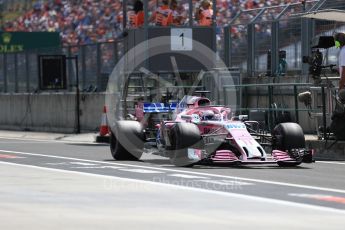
[
  {"x": 233, "y": 130},
  {"x": 281, "y": 156}
]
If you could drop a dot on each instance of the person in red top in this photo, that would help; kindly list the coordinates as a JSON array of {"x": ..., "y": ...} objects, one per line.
[
  {"x": 163, "y": 16},
  {"x": 136, "y": 17},
  {"x": 204, "y": 13}
]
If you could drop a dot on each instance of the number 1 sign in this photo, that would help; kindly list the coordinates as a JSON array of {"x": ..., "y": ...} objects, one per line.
[{"x": 181, "y": 39}]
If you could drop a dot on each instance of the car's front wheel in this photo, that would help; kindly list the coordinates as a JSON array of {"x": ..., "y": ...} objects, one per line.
[{"x": 288, "y": 137}]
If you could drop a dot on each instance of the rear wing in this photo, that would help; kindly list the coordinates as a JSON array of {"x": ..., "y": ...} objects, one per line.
[{"x": 159, "y": 107}]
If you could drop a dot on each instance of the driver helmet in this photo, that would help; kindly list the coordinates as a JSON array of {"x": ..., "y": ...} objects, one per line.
[{"x": 207, "y": 115}]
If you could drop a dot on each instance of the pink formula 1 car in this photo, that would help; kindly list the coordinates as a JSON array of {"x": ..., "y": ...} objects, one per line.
[{"x": 200, "y": 133}]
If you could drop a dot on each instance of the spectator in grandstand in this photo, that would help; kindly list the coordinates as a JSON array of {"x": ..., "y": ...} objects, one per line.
[
  {"x": 173, "y": 7},
  {"x": 250, "y": 4},
  {"x": 136, "y": 17},
  {"x": 204, "y": 14},
  {"x": 163, "y": 15},
  {"x": 339, "y": 39},
  {"x": 81, "y": 22},
  {"x": 179, "y": 13}
]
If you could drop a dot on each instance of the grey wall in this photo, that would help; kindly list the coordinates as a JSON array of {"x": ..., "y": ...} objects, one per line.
[{"x": 51, "y": 112}]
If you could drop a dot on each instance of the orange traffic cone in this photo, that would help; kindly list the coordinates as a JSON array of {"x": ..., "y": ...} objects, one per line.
[{"x": 104, "y": 130}]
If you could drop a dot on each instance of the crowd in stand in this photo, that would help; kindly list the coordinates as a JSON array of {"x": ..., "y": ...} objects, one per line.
[
  {"x": 77, "y": 21},
  {"x": 90, "y": 21}
]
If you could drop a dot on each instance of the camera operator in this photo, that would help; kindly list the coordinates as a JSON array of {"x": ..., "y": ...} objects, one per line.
[
  {"x": 339, "y": 40},
  {"x": 338, "y": 117}
]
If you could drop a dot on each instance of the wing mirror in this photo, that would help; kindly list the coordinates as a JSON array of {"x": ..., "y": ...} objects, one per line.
[
  {"x": 194, "y": 118},
  {"x": 240, "y": 118}
]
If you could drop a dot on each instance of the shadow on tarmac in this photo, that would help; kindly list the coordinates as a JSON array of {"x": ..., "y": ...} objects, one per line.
[{"x": 166, "y": 164}]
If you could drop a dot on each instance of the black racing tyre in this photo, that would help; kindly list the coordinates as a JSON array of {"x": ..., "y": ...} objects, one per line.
[
  {"x": 287, "y": 136},
  {"x": 289, "y": 163},
  {"x": 127, "y": 140},
  {"x": 183, "y": 136}
]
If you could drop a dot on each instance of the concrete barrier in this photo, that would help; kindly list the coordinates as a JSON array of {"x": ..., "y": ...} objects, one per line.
[
  {"x": 328, "y": 150},
  {"x": 50, "y": 112}
]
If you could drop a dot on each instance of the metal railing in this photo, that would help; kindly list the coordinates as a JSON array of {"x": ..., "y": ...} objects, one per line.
[
  {"x": 286, "y": 96},
  {"x": 254, "y": 39}
]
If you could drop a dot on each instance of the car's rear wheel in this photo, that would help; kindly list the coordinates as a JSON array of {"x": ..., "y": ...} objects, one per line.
[
  {"x": 184, "y": 136},
  {"x": 126, "y": 140}
]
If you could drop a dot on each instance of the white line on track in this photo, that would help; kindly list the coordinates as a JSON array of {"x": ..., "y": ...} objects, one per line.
[
  {"x": 82, "y": 163},
  {"x": 183, "y": 172},
  {"x": 145, "y": 171},
  {"x": 34, "y": 141},
  {"x": 199, "y": 190},
  {"x": 187, "y": 176},
  {"x": 331, "y": 162},
  {"x": 227, "y": 182},
  {"x": 97, "y": 167}
]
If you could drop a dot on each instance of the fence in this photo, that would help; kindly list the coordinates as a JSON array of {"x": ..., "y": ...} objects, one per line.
[
  {"x": 272, "y": 98},
  {"x": 19, "y": 71},
  {"x": 250, "y": 41},
  {"x": 255, "y": 38}
]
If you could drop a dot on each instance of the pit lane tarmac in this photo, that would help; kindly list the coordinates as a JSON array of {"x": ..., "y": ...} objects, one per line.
[{"x": 275, "y": 184}]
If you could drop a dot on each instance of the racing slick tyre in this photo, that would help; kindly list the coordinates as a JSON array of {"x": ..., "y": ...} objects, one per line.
[
  {"x": 289, "y": 163},
  {"x": 127, "y": 140},
  {"x": 184, "y": 136},
  {"x": 288, "y": 136}
]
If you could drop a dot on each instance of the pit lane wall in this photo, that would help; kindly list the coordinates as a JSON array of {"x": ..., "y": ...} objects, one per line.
[
  {"x": 50, "y": 112},
  {"x": 330, "y": 150}
]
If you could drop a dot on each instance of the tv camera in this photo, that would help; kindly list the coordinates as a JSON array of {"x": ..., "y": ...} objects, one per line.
[{"x": 316, "y": 59}]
